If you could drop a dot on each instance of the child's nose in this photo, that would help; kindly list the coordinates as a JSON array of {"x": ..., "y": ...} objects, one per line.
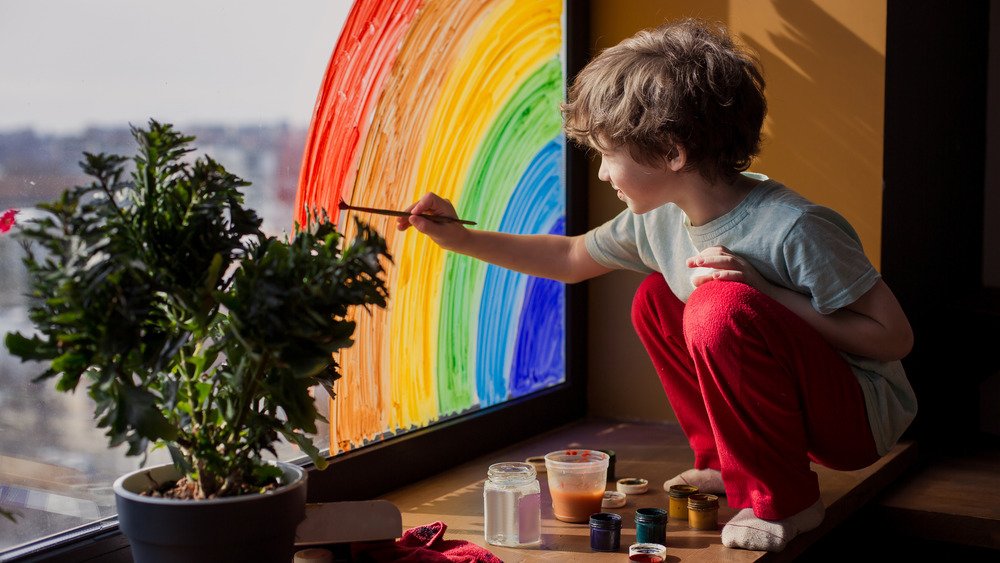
[{"x": 602, "y": 173}]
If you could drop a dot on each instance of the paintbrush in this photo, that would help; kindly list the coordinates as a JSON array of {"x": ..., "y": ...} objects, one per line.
[{"x": 436, "y": 218}]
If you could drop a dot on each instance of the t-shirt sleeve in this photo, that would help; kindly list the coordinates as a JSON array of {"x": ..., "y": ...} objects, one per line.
[
  {"x": 615, "y": 244},
  {"x": 826, "y": 261}
]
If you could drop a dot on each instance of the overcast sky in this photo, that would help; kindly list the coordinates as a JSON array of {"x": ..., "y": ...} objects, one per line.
[{"x": 68, "y": 64}]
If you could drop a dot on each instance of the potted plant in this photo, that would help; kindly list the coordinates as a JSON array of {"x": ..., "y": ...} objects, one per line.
[{"x": 195, "y": 332}]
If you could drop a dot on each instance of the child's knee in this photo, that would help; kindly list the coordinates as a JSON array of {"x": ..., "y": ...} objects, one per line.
[{"x": 718, "y": 308}]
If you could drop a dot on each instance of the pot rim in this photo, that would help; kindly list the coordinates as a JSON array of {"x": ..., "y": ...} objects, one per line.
[{"x": 298, "y": 477}]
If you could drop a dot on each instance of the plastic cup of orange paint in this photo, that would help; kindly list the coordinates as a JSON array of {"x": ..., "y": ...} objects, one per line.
[{"x": 577, "y": 480}]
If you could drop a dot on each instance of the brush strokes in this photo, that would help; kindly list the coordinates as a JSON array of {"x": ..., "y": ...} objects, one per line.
[{"x": 460, "y": 98}]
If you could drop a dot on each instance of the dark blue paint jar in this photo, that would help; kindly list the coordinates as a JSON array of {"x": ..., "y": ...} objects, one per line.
[
  {"x": 651, "y": 525},
  {"x": 605, "y": 531}
]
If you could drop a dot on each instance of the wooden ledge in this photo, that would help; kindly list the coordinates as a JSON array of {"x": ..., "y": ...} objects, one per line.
[
  {"x": 953, "y": 498},
  {"x": 651, "y": 450}
]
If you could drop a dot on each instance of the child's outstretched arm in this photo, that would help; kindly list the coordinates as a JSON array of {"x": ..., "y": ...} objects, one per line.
[
  {"x": 874, "y": 326},
  {"x": 556, "y": 257}
]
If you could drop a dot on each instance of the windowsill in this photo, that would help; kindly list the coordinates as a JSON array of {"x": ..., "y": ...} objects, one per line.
[
  {"x": 654, "y": 451},
  {"x": 649, "y": 450}
]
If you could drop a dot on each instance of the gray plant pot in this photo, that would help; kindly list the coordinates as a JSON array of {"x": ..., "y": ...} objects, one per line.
[{"x": 246, "y": 528}]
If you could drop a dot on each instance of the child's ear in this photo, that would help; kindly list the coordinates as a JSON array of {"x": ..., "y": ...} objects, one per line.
[{"x": 676, "y": 158}]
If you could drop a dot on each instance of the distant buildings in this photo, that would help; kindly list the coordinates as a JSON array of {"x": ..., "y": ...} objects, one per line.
[
  {"x": 50, "y": 430},
  {"x": 36, "y": 167}
]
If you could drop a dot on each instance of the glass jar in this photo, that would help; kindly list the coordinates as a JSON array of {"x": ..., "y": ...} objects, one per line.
[{"x": 512, "y": 505}]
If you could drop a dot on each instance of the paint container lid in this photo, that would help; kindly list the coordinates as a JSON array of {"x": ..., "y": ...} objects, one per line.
[
  {"x": 651, "y": 516},
  {"x": 314, "y": 555},
  {"x": 633, "y": 485},
  {"x": 613, "y": 499},
  {"x": 703, "y": 501},
  {"x": 538, "y": 462},
  {"x": 606, "y": 521},
  {"x": 647, "y": 552},
  {"x": 682, "y": 491}
]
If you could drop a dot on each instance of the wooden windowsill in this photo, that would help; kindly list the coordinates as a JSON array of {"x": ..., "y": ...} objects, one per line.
[{"x": 650, "y": 450}]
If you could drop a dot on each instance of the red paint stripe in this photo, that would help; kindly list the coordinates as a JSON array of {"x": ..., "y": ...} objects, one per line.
[{"x": 354, "y": 80}]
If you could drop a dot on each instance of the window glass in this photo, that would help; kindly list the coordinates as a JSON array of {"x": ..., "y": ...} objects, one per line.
[
  {"x": 240, "y": 75},
  {"x": 473, "y": 116}
]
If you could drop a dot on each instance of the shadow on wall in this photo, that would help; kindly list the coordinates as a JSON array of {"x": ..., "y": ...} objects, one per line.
[
  {"x": 824, "y": 135},
  {"x": 826, "y": 92}
]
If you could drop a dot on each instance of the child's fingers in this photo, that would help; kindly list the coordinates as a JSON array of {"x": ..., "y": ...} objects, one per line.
[
  {"x": 728, "y": 275},
  {"x": 718, "y": 275},
  {"x": 429, "y": 204},
  {"x": 700, "y": 279},
  {"x": 433, "y": 204},
  {"x": 432, "y": 228}
]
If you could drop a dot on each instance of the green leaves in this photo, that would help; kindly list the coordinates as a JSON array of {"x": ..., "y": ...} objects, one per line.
[{"x": 190, "y": 327}]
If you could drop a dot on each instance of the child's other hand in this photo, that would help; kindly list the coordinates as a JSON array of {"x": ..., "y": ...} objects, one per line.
[
  {"x": 444, "y": 234},
  {"x": 719, "y": 263}
]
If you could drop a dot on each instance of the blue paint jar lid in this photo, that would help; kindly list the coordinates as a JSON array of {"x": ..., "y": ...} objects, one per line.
[{"x": 606, "y": 521}]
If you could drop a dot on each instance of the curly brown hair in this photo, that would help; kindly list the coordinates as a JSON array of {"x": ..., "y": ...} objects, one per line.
[{"x": 686, "y": 82}]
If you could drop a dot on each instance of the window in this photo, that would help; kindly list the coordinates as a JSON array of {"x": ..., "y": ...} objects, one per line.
[{"x": 243, "y": 77}]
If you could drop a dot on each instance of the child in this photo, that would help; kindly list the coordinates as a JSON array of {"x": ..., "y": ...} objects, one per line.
[{"x": 775, "y": 339}]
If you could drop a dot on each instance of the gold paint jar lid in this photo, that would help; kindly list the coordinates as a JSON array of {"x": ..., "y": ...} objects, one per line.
[
  {"x": 703, "y": 501},
  {"x": 682, "y": 491}
]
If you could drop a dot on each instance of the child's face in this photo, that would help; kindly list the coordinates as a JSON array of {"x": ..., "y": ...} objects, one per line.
[{"x": 642, "y": 187}]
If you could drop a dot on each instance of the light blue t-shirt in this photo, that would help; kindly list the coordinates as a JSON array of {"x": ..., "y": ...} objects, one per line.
[{"x": 793, "y": 243}]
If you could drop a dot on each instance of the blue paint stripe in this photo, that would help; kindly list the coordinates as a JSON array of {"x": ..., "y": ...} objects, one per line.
[{"x": 537, "y": 205}]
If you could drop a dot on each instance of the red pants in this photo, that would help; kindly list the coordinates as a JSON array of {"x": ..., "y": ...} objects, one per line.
[{"x": 758, "y": 392}]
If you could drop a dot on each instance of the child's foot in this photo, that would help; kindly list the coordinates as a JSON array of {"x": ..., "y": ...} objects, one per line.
[
  {"x": 707, "y": 480},
  {"x": 749, "y": 532}
]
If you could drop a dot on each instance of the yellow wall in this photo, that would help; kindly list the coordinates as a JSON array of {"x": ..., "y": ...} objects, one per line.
[{"x": 824, "y": 63}]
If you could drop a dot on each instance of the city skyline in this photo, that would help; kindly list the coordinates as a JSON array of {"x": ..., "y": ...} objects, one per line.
[{"x": 67, "y": 66}]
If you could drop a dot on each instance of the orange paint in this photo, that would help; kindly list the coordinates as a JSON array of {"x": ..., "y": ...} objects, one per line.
[{"x": 576, "y": 506}]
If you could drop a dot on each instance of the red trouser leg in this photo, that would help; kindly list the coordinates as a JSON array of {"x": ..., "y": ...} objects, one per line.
[
  {"x": 776, "y": 395},
  {"x": 657, "y": 316}
]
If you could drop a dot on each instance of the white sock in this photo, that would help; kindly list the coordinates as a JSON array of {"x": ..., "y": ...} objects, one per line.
[
  {"x": 746, "y": 531},
  {"x": 707, "y": 480}
]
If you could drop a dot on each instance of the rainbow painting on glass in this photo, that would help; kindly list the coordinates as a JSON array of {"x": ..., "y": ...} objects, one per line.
[{"x": 460, "y": 98}]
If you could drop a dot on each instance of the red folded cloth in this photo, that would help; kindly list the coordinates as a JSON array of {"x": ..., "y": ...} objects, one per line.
[{"x": 423, "y": 544}]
